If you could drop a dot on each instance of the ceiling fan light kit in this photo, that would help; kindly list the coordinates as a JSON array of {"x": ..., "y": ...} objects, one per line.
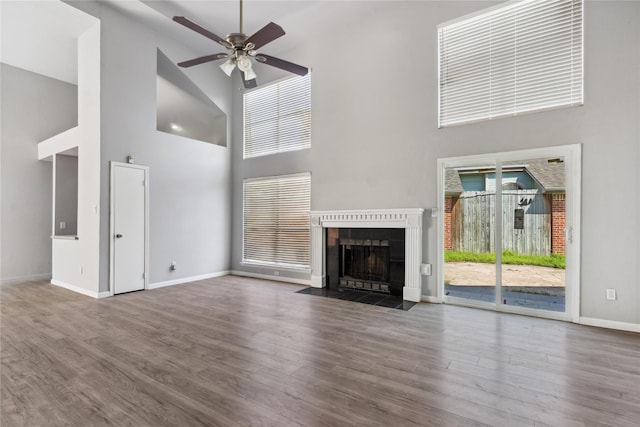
[
  {"x": 228, "y": 66},
  {"x": 242, "y": 49}
]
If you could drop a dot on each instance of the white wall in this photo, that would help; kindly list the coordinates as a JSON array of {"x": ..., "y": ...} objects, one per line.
[
  {"x": 376, "y": 142},
  {"x": 89, "y": 125},
  {"x": 34, "y": 107},
  {"x": 189, "y": 180},
  {"x": 75, "y": 262}
]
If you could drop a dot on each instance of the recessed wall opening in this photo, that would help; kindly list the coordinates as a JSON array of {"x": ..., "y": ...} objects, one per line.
[
  {"x": 66, "y": 193},
  {"x": 184, "y": 109}
]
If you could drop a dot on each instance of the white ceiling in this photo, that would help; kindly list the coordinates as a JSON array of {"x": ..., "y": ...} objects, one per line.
[
  {"x": 41, "y": 36},
  {"x": 301, "y": 19}
]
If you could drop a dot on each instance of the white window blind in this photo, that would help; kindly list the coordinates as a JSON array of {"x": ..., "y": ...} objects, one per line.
[
  {"x": 519, "y": 57},
  {"x": 277, "y": 117},
  {"x": 276, "y": 228}
]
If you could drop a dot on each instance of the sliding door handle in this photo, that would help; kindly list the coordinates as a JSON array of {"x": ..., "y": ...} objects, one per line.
[{"x": 568, "y": 234}]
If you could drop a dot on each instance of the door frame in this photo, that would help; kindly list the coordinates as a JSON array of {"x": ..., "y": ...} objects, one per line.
[
  {"x": 112, "y": 166},
  {"x": 573, "y": 161}
]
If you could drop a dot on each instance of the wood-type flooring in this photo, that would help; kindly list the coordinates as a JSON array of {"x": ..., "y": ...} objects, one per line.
[{"x": 236, "y": 351}]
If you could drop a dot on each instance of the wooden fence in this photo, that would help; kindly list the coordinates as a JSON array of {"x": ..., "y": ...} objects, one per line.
[{"x": 473, "y": 222}]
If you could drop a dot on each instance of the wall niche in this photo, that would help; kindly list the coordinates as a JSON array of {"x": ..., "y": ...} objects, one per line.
[
  {"x": 184, "y": 109},
  {"x": 66, "y": 193}
]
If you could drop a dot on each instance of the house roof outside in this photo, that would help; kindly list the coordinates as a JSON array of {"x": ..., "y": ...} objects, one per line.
[{"x": 550, "y": 173}]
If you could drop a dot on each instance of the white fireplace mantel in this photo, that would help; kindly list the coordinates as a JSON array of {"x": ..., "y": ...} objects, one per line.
[{"x": 409, "y": 219}]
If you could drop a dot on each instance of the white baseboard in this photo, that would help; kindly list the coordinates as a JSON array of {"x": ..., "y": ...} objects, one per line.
[
  {"x": 33, "y": 277},
  {"x": 79, "y": 290},
  {"x": 431, "y": 299},
  {"x": 610, "y": 324},
  {"x": 187, "y": 279},
  {"x": 305, "y": 282}
]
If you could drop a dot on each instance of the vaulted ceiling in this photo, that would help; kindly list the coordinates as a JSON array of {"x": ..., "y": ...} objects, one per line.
[
  {"x": 40, "y": 36},
  {"x": 302, "y": 19}
]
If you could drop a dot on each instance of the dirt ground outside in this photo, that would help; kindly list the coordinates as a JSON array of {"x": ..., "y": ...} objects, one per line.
[{"x": 479, "y": 274}]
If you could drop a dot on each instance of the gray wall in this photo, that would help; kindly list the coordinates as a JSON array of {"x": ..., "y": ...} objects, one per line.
[
  {"x": 34, "y": 108},
  {"x": 189, "y": 180},
  {"x": 376, "y": 142},
  {"x": 66, "y": 195}
]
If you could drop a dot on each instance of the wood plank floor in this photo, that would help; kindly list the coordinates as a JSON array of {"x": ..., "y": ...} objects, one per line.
[{"x": 237, "y": 351}]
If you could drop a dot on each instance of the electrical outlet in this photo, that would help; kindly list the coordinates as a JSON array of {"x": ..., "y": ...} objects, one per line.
[
  {"x": 63, "y": 225},
  {"x": 611, "y": 294},
  {"x": 276, "y": 273},
  {"x": 173, "y": 266}
]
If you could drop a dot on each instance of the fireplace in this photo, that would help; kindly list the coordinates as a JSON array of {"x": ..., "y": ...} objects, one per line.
[
  {"x": 366, "y": 250},
  {"x": 368, "y": 259}
]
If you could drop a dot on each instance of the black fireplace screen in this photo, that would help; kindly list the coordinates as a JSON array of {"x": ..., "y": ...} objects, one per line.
[{"x": 365, "y": 259}]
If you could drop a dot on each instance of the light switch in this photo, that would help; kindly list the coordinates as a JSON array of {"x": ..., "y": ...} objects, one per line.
[{"x": 425, "y": 269}]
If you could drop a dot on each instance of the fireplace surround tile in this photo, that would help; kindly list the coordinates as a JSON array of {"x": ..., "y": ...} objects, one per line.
[{"x": 370, "y": 298}]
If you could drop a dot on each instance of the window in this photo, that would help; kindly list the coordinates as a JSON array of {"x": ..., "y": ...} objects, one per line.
[
  {"x": 513, "y": 185},
  {"x": 519, "y": 57},
  {"x": 277, "y": 117},
  {"x": 276, "y": 228}
]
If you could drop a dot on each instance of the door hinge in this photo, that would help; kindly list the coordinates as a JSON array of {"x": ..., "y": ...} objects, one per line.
[{"x": 143, "y": 275}]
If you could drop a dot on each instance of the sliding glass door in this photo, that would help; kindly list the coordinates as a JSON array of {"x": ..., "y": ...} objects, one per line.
[
  {"x": 507, "y": 231},
  {"x": 469, "y": 242},
  {"x": 533, "y": 233}
]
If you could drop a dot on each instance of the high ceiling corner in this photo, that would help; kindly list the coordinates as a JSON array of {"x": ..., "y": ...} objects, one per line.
[{"x": 41, "y": 36}]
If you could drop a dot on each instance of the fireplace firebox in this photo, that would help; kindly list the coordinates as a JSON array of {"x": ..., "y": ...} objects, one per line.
[{"x": 367, "y": 259}]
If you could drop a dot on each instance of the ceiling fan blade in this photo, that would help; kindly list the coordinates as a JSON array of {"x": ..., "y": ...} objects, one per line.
[
  {"x": 265, "y": 35},
  {"x": 282, "y": 64},
  {"x": 249, "y": 84},
  {"x": 202, "y": 59},
  {"x": 198, "y": 29}
]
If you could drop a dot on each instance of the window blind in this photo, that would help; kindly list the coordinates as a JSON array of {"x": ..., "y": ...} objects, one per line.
[
  {"x": 276, "y": 228},
  {"x": 277, "y": 117},
  {"x": 516, "y": 58}
]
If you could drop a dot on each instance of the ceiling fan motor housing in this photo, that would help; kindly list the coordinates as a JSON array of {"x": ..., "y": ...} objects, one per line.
[{"x": 236, "y": 40}]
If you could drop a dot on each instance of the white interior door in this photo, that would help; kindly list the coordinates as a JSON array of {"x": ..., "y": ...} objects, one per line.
[{"x": 128, "y": 227}]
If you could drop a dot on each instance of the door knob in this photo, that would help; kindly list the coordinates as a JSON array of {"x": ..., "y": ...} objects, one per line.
[{"x": 118, "y": 236}]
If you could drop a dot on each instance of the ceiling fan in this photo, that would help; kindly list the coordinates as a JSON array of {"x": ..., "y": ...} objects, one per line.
[{"x": 241, "y": 50}]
